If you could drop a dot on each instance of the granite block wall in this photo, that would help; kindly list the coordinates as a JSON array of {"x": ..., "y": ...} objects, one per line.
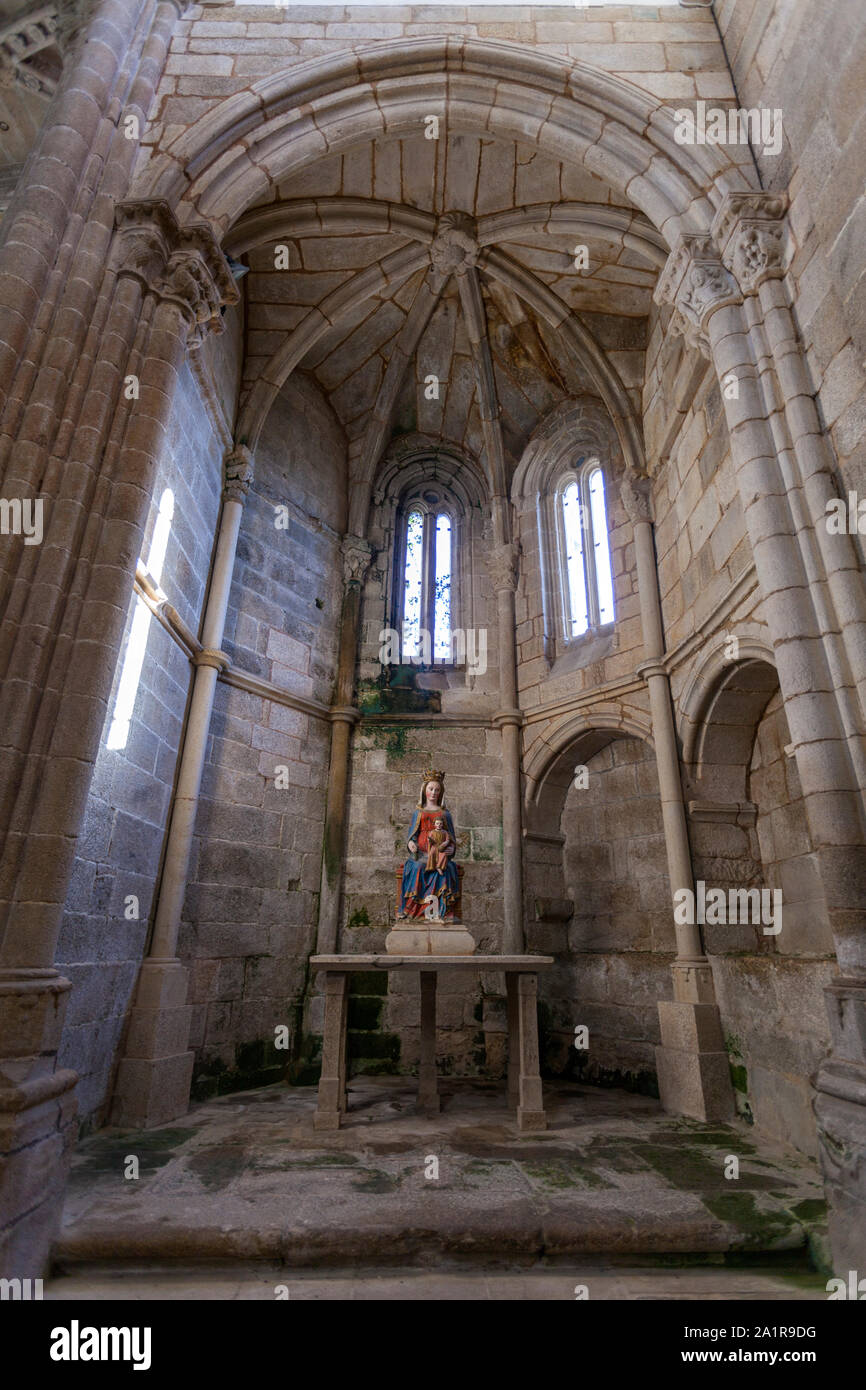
[
  {"x": 251, "y": 908},
  {"x": 119, "y": 855}
]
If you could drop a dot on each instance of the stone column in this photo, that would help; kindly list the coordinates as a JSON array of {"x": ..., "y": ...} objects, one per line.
[
  {"x": 357, "y": 554},
  {"x": 154, "y": 1076},
  {"x": 63, "y": 622},
  {"x": 750, "y": 229},
  {"x": 709, "y": 311},
  {"x": 693, "y": 1071},
  {"x": 751, "y": 232},
  {"x": 503, "y": 566}
]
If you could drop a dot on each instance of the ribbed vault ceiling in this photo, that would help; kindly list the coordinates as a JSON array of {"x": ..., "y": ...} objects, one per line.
[{"x": 353, "y": 210}]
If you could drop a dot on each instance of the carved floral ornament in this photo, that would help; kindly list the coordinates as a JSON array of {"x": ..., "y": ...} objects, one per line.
[
  {"x": 454, "y": 248},
  {"x": 238, "y": 467},
  {"x": 181, "y": 265},
  {"x": 636, "y": 497},
  {"x": 704, "y": 273},
  {"x": 357, "y": 554},
  {"x": 502, "y": 562},
  {"x": 696, "y": 283},
  {"x": 750, "y": 229}
]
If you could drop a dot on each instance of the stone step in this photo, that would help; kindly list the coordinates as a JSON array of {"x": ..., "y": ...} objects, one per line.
[
  {"x": 247, "y": 1178},
  {"x": 452, "y": 1281}
]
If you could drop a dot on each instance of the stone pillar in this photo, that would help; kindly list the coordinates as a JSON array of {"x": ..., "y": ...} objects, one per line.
[
  {"x": 750, "y": 229},
  {"x": 154, "y": 1076},
  {"x": 65, "y": 607},
  {"x": 692, "y": 1065},
  {"x": 357, "y": 554},
  {"x": 503, "y": 565},
  {"x": 751, "y": 233},
  {"x": 709, "y": 311}
]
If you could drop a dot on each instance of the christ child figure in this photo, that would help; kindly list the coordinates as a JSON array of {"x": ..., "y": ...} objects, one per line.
[{"x": 439, "y": 842}]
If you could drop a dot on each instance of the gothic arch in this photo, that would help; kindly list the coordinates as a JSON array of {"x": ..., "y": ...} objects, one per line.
[
  {"x": 581, "y": 421},
  {"x": 549, "y": 764},
  {"x": 234, "y": 153},
  {"x": 725, "y": 694}
]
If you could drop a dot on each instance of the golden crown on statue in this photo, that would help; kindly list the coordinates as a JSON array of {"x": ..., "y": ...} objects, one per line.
[{"x": 432, "y": 775}]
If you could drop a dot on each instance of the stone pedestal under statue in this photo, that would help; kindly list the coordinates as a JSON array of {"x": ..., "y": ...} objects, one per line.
[{"x": 429, "y": 938}]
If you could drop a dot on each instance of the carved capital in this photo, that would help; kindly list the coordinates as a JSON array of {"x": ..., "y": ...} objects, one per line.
[
  {"x": 750, "y": 228},
  {"x": 454, "y": 248},
  {"x": 238, "y": 466},
  {"x": 357, "y": 554},
  {"x": 183, "y": 265},
  {"x": 636, "y": 497},
  {"x": 31, "y": 36},
  {"x": 696, "y": 283},
  {"x": 72, "y": 21},
  {"x": 503, "y": 563}
]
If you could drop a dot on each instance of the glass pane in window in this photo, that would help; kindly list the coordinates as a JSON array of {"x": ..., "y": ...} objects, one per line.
[
  {"x": 133, "y": 660},
  {"x": 412, "y": 584},
  {"x": 578, "y": 619},
  {"x": 601, "y": 546},
  {"x": 442, "y": 593}
]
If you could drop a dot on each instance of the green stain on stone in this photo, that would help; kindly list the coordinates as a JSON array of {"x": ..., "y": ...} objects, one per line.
[
  {"x": 361, "y": 918},
  {"x": 564, "y": 1173},
  {"x": 812, "y": 1209},
  {"x": 375, "y": 1180},
  {"x": 218, "y": 1165},
  {"x": 762, "y": 1229}
]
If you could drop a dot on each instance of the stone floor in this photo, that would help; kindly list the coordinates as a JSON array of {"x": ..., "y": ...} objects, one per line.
[{"x": 612, "y": 1192}]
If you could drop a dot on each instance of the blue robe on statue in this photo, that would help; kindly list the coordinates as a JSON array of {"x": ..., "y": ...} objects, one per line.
[{"x": 419, "y": 882}]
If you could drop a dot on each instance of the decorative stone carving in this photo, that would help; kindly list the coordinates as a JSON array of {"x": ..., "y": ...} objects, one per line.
[
  {"x": 181, "y": 264},
  {"x": 189, "y": 284},
  {"x": 636, "y": 497},
  {"x": 454, "y": 249},
  {"x": 238, "y": 467},
  {"x": 73, "y": 19},
  {"x": 29, "y": 54},
  {"x": 357, "y": 554},
  {"x": 696, "y": 282},
  {"x": 503, "y": 564},
  {"x": 749, "y": 228}
]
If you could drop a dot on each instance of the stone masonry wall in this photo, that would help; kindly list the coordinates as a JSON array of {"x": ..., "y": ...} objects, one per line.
[
  {"x": 615, "y": 951},
  {"x": 252, "y": 902},
  {"x": 780, "y": 977},
  {"x": 120, "y": 849}
]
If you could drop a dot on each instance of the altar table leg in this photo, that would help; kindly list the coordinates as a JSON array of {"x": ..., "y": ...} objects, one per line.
[
  {"x": 428, "y": 1094},
  {"x": 530, "y": 1109},
  {"x": 332, "y": 1083},
  {"x": 513, "y": 1019}
]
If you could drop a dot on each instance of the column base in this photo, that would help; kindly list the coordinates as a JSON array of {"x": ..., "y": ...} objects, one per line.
[
  {"x": 842, "y": 1152},
  {"x": 530, "y": 1119},
  {"x": 37, "y": 1119},
  {"x": 154, "y": 1077},
  {"x": 693, "y": 1070},
  {"x": 840, "y": 1113}
]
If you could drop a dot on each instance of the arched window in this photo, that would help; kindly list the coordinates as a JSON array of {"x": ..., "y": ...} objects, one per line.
[
  {"x": 584, "y": 547},
  {"x": 133, "y": 660},
  {"x": 426, "y": 596},
  {"x": 577, "y": 575}
]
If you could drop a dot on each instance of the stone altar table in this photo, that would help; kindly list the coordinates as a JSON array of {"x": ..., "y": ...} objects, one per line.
[{"x": 521, "y": 975}]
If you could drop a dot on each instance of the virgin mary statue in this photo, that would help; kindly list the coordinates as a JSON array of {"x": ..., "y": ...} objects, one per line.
[{"x": 430, "y": 886}]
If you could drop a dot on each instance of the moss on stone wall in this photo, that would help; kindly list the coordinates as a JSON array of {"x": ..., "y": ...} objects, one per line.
[{"x": 395, "y": 691}]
